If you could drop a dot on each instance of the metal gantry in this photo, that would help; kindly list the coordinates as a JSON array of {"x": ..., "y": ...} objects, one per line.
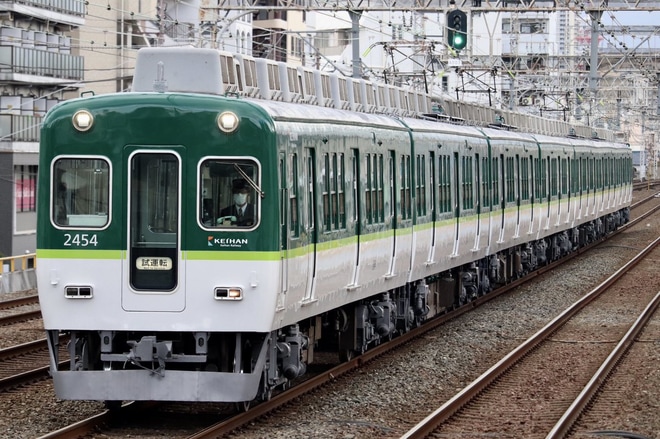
[{"x": 594, "y": 86}]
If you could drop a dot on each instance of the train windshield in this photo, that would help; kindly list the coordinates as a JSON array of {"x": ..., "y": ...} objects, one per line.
[
  {"x": 229, "y": 193},
  {"x": 81, "y": 192}
]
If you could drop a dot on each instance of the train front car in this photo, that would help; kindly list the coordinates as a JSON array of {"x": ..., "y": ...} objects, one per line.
[{"x": 158, "y": 241}]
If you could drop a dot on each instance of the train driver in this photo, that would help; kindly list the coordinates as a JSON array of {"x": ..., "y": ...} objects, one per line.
[{"x": 241, "y": 211}]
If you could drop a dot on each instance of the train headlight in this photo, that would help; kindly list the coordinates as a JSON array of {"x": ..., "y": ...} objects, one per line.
[
  {"x": 228, "y": 122},
  {"x": 83, "y": 120}
]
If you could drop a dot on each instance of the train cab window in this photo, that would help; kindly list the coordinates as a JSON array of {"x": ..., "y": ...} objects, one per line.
[
  {"x": 229, "y": 193},
  {"x": 80, "y": 192}
]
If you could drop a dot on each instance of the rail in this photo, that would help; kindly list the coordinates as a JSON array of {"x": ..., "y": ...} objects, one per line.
[{"x": 18, "y": 273}]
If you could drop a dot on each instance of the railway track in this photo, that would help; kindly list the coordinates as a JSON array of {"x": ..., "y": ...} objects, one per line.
[
  {"x": 623, "y": 393},
  {"x": 526, "y": 393},
  {"x": 26, "y": 362},
  {"x": 17, "y": 364},
  {"x": 12, "y": 313}
]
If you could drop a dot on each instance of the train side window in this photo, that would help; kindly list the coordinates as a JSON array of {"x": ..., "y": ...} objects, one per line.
[
  {"x": 368, "y": 189},
  {"x": 420, "y": 185},
  {"x": 325, "y": 191},
  {"x": 229, "y": 193},
  {"x": 332, "y": 179},
  {"x": 467, "y": 182},
  {"x": 444, "y": 183},
  {"x": 374, "y": 191},
  {"x": 496, "y": 181},
  {"x": 510, "y": 178},
  {"x": 485, "y": 183},
  {"x": 80, "y": 192},
  {"x": 524, "y": 178},
  {"x": 406, "y": 209},
  {"x": 553, "y": 177},
  {"x": 294, "y": 225},
  {"x": 543, "y": 178}
]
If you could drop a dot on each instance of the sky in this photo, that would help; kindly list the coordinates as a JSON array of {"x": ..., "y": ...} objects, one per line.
[{"x": 635, "y": 18}]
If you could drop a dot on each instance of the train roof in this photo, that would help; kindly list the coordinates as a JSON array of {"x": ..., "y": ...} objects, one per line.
[
  {"x": 211, "y": 71},
  {"x": 305, "y": 112}
]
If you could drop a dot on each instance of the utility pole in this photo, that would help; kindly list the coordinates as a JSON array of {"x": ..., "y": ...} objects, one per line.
[{"x": 355, "y": 41}]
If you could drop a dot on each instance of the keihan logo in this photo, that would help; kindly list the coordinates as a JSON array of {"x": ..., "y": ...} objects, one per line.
[{"x": 226, "y": 242}]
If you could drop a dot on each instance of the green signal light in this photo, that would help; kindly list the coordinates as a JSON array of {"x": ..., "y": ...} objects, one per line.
[{"x": 458, "y": 40}]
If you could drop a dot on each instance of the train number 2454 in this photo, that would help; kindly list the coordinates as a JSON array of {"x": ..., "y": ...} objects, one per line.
[{"x": 80, "y": 240}]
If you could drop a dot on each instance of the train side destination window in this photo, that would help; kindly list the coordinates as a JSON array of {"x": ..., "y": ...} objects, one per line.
[
  {"x": 80, "y": 192},
  {"x": 229, "y": 193}
]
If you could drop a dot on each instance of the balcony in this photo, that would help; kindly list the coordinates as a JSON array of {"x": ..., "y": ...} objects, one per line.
[
  {"x": 70, "y": 12},
  {"x": 15, "y": 128},
  {"x": 39, "y": 67}
]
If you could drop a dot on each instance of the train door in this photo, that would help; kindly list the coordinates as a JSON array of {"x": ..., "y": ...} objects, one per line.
[
  {"x": 434, "y": 205},
  {"x": 295, "y": 238},
  {"x": 457, "y": 204},
  {"x": 477, "y": 205},
  {"x": 311, "y": 228},
  {"x": 566, "y": 185},
  {"x": 284, "y": 230},
  {"x": 547, "y": 187},
  {"x": 532, "y": 188},
  {"x": 558, "y": 185},
  {"x": 517, "y": 194},
  {"x": 355, "y": 201},
  {"x": 153, "y": 264},
  {"x": 403, "y": 217},
  {"x": 503, "y": 194}
]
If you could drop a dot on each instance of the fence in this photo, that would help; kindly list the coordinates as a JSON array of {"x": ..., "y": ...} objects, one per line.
[{"x": 18, "y": 273}]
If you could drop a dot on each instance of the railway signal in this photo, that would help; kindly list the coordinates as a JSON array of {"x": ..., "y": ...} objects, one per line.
[{"x": 457, "y": 29}]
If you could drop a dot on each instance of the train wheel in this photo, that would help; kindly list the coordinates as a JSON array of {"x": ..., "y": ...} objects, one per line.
[
  {"x": 267, "y": 394},
  {"x": 112, "y": 405},
  {"x": 242, "y": 406},
  {"x": 346, "y": 355}
]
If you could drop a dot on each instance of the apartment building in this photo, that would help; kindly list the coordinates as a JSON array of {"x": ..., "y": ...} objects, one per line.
[{"x": 39, "y": 67}]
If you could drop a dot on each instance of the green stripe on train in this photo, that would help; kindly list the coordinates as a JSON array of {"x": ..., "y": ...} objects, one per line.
[
  {"x": 79, "y": 254},
  {"x": 231, "y": 256},
  {"x": 189, "y": 255}
]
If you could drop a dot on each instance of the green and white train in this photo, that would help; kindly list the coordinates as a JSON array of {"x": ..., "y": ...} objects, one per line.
[{"x": 360, "y": 226}]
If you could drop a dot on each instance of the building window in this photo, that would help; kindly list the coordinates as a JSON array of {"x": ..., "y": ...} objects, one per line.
[{"x": 25, "y": 179}]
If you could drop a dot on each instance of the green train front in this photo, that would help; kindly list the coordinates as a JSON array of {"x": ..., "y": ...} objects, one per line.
[{"x": 139, "y": 260}]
